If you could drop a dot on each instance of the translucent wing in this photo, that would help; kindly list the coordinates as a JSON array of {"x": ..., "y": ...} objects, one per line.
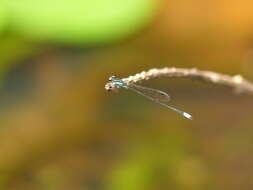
[{"x": 152, "y": 93}]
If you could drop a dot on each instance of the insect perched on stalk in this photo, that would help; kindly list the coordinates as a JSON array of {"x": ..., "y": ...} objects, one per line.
[{"x": 154, "y": 95}]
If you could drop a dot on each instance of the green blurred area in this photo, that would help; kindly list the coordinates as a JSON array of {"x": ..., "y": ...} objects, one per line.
[
  {"x": 77, "y": 21},
  {"x": 2, "y": 18},
  {"x": 61, "y": 130}
]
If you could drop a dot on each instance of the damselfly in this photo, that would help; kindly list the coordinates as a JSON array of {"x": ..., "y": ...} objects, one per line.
[{"x": 157, "y": 96}]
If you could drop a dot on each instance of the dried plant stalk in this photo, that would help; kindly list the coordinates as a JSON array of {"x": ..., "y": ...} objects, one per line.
[{"x": 236, "y": 82}]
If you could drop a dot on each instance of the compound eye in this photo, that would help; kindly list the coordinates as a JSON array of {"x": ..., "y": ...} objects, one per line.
[
  {"x": 111, "y": 78},
  {"x": 108, "y": 87}
]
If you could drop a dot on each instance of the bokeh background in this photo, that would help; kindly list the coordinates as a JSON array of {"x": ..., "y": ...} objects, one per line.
[{"x": 60, "y": 129}]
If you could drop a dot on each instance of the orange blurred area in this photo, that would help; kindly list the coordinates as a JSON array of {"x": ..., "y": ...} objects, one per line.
[{"x": 61, "y": 130}]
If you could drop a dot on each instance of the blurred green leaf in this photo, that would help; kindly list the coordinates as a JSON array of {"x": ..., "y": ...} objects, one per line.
[
  {"x": 2, "y": 17},
  {"x": 79, "y": 21}
]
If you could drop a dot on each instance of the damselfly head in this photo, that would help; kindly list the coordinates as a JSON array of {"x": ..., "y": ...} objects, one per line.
[{"x": 111, "y": 85}]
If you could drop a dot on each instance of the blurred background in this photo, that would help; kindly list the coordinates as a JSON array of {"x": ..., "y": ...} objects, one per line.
[{"x": 60, "y": 129}]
